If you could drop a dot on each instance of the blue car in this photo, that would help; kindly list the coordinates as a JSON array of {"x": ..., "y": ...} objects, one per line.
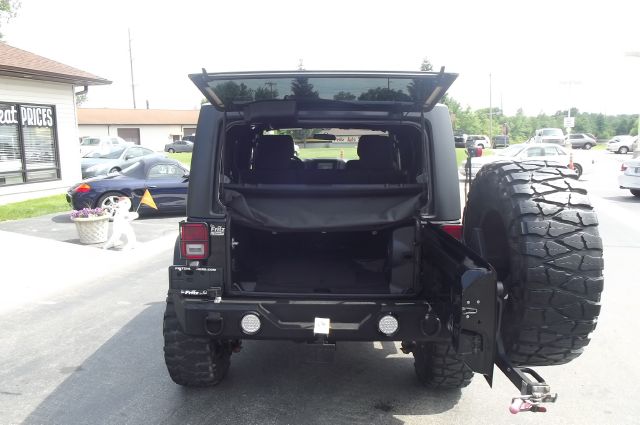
[{"x": 165, "y": 178}]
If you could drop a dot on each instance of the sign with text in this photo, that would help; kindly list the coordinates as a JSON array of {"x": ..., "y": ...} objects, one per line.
[
  {"x": 569, "y": 122},
  {"x": 30, "y": 115}
]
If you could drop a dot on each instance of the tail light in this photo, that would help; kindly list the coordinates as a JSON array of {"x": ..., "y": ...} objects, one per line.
[
  {"x": 454, "y": 230},
  {"x": 194, "y": 241},
  {"x": 83, "y": 188},
  {"x": 623, "y": 167}
]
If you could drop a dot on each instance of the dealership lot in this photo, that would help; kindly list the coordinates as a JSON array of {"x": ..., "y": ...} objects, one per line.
[{"x": 82, "y": 344}]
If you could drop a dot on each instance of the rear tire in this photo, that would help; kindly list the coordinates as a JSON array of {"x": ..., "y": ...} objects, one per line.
[
  {"x": 541, "y": 236},
  {"x": 635, "y": 192},
  {"x": 587, "y": 146},
  {"x": 439, "y": 367},
  {"x": 193, "y": 361}
]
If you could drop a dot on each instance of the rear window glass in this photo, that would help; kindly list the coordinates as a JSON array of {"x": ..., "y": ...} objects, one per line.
[{"x": 90, "y": 142}]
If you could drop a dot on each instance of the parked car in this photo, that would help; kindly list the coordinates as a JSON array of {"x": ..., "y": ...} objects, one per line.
[
  {"x": 96, "y": 163},
  {"x": 548, "y": 135},
  {"x": 621, "y": 144},
  {"x": 500, "y": 141},
  {"x": 460, "y": 140},
  {"x": 166, "y": 179},
  {"x": 580, "y": 141},
  {"x": 630, "y": 177},
  {"x": 179, "y": 146},
  {"x": 102, "y": 144},
  {"x": 479, "y": 141},
  {"x": 525, "y": 151}
]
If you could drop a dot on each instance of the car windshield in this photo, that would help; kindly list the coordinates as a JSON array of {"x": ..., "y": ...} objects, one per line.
[
  {"x": 552, "y": 132},
  {"x": 90, "y": 142},
  {"x": 513, "y": 150},
  {"x": 112, "y": 154},
  {"x": 132, "y": 170}
]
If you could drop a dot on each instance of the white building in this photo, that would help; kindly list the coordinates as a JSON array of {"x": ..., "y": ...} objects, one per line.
[
  {"x": 151, "y": 128},
  {"x": 39, "y": 152}
]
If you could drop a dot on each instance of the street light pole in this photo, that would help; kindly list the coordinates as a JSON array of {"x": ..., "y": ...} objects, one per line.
[
  {"x": 490, "y": 111},
  {"x": 636, "y": 151}
]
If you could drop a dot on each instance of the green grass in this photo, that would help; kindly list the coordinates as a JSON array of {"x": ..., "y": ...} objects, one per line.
[
  {"x": 600, "y": 147},
  {"x": 184, "y": 157},
  {"x": 34, "y": 207},
  {"x": 461, "y": 154},
  {"x": 309, "y": 153}
]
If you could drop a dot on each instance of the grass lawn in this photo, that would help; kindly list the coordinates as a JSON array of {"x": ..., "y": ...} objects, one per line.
[
  {"x": 347, "y": 153},
  {"x": 34, "y": 207},
  {"x": 461, "y": 154},
  {"x": 184, "y": 157},
  {"x": 600, "y": 147}
]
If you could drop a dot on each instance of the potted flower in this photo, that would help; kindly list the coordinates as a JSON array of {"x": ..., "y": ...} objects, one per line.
[{"x": 92, "y": 224}]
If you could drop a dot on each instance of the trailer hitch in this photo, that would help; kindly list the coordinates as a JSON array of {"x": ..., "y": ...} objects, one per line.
[{"x": 533, "y": 389}]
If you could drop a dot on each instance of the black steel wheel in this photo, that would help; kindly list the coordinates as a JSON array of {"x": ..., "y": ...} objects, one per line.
[{"x": 541, "y": 236}]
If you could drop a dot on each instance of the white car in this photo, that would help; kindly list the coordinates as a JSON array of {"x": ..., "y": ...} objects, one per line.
[
  {"x": 103, "y": 144},
  {"x": 630, "y": 177},
  {"x": 479, "y": 141},
  {"x": 621, "y": 144},
  {"x": 528, "y": 151},
  {"x": 548, "y": 135}
]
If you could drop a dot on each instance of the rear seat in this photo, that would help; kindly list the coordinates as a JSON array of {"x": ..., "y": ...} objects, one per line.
[
  {"x": 274, "y": 162},
  {"x": 376, "y": 164}
]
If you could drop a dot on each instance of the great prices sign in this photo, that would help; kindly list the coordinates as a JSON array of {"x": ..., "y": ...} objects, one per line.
[{"x": 27, "y": 115}]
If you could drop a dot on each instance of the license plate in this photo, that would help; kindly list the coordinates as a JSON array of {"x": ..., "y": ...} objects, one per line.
[{"x": 321, "y": 326}]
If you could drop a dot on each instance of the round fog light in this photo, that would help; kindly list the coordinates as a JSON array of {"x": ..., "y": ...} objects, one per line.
[
  {"x": 250, "y": 324},
  {"x": 388, "y": 325}
]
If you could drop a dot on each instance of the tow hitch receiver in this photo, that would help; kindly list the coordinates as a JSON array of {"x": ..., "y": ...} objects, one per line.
[{"x": 533, "y": 392}]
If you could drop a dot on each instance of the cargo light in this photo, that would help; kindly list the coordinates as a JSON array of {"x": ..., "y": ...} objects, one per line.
[
  {"x": 388, "y": 325},
  {"x": 250, "y": 323},
  {"x": 83, "y": 188},
  {"x": 194, "y": 241}
]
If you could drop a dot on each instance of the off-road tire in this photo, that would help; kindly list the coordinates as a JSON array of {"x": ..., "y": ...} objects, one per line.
[
  {"x": 439, "y": 367},
  {"x": 635, "y": 192},
  {"x": 541, "y": 236},
  {"x": 193, "y": 361}
]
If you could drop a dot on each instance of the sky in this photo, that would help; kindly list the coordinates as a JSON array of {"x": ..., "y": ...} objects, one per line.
[{"x": 541, "y": 55}]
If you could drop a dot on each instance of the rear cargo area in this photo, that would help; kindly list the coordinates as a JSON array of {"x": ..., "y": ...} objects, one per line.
[{"x": 348, "y": 262}]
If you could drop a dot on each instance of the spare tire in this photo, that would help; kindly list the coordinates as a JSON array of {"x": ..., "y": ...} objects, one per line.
[{"x": 541, "y": 235}]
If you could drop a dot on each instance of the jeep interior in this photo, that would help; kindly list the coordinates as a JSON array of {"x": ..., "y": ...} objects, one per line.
[{"x": 324, "y": 223}]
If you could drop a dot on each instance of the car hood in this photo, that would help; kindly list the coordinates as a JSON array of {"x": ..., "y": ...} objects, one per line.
[
  {"x": 350, "y": 90},
  {"x": 482, "y": 160}
]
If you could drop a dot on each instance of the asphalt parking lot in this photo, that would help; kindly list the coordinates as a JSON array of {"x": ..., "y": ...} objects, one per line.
[{"x": 59, "y": 227}]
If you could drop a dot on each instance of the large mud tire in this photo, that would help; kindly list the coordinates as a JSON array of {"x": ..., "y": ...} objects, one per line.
[
  {"x": 541, "y": 235},
  {"x": 439, "y": 367},
  {"x": 193, "y": 361}
]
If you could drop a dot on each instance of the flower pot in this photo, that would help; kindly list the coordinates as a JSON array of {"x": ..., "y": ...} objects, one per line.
[{"x": 92, "y": 230}]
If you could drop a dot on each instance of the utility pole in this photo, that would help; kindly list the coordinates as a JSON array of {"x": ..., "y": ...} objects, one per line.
[
  {"x": 133, "y": 87},
  {"x": 490, "y": 111},
  {"x": 636, "y": 151},
  {"x": 568, "y": 128}
]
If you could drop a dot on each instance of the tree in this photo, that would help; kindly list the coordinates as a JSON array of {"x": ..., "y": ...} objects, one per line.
[
  {"x": 8, "y": 9},
  {"x": 426, "y": 65},
  {"x": 266, "y": 93},
  {"x": 231, "y": 91},
  {"x": 383, "y": 93},
  {"x": 302, "y": 89},
  {"x": 344, "y": 95}
]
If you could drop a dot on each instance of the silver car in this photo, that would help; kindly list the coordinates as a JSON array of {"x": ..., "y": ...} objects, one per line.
[
  {"x": 99, "y": 163},
  {"x": 581, "y": 141},
  {"x": 179, "y": 146}
]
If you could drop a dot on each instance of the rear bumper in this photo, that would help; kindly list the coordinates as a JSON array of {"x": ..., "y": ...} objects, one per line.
[
  {"x": 294, "y": 319},
  {"x": 629, "y": 182}
]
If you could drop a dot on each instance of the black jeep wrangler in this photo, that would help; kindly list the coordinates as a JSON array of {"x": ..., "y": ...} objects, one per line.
[{"x": 328, "y": 248}]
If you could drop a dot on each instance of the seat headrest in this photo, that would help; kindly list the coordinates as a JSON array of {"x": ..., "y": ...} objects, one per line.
[
  {"x": 376, "y": 151},
  {"x": 273, "y": 151}
]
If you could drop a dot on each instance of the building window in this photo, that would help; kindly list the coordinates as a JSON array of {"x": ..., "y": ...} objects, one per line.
[{"x": 28, "y": 147}]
